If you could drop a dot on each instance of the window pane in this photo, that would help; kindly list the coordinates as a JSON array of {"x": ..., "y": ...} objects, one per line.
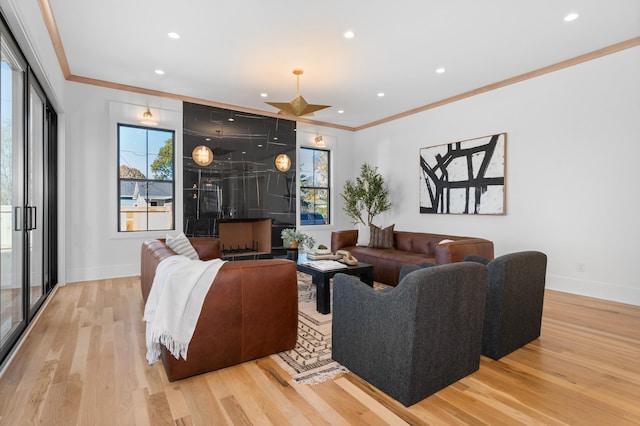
[
  {"x": 146, "y": 179},
  {"x": 306, "y": 167},
  {"x": 160, "y": 155},
  {"x": 314, "y": 187},
  {"x": 321, "y": 168},
  {"x": 133, "y": 152}
]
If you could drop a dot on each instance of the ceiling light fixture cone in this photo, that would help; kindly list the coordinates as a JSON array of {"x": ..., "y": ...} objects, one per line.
[{"x": 299, "y": 106}]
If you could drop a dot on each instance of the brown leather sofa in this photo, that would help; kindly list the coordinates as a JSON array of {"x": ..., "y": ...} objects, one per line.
[
  {"x": 251, "y": 310},
  {"x": 410, "y": 247}
]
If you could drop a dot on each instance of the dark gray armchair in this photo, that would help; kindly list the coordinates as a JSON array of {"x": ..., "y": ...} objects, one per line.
[
  {"x": 414, "y": 339},
  {"x": 513, "y": 314}
]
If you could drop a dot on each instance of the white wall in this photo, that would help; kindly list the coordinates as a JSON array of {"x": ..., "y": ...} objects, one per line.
[
  {"x": 572, "y": 171},
  {"x": 94, "y": 248}
]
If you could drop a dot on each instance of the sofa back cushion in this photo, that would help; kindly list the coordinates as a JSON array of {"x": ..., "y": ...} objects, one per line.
[{"x": 416, "y": 242}]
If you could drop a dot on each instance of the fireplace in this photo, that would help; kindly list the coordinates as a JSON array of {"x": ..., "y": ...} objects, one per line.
[{"x": 245, "y": 237}]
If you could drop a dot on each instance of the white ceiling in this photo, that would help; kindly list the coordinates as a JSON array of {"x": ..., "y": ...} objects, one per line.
[{"x": 230, "y": 52}]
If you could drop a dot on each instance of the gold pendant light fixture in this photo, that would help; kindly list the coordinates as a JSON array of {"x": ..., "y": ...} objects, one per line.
[
  {"x": 283, "y": 162},
  {"x": 202, "y": 155},
  {"x": 299, "y": 106}
]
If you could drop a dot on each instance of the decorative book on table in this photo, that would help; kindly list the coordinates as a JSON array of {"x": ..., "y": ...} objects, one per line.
[{"x": 326, "y": 265}]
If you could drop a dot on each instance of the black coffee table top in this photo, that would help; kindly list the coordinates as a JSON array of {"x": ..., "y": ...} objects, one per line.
[{"x": 302, "y": 266}]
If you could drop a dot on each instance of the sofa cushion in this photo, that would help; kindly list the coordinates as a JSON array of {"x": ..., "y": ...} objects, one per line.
[
  {"x": 388, "y": 262},
  {"x": 416, "y": 242},
  {"x": 181, "y": 245},
  {"x": 381, "y": 238}
]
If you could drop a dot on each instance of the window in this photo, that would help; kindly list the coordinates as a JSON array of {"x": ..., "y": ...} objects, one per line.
[
  {"x": 314, "y": 187},
  {"x": 145, "y": 179}
]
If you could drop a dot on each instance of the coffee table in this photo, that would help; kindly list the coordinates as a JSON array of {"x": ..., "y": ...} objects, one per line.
[{"x": 321, "y": 279}]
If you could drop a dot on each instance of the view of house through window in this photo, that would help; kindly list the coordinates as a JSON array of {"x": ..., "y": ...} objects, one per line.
[
  {"x": 145, "y": 179},
  {"x": 314, "y": 186}
]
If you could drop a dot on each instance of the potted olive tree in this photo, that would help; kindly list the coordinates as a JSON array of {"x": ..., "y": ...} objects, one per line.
[{"x": 366, "y": 196}]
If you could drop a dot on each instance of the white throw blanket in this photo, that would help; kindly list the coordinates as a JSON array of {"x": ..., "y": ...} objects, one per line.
[{"x": 175, "y": 302}]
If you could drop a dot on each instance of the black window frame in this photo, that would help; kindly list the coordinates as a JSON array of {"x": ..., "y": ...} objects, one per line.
[
  {"x": 326, "y": 188},
  {"x": 147, "y": 180}
]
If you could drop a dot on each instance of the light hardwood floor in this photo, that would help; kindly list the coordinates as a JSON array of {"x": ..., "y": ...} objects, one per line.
[{"x": 83, "y": 363}]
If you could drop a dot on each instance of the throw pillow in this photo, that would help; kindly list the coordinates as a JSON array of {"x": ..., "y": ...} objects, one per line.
[
  {"x": 381, "y": 238},
  {"x": 182, "y": 245},
  {"x": 363, "y": 235}
]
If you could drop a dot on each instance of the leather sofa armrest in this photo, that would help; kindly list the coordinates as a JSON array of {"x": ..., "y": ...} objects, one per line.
[
  {"x": 207, "y": 247},
  {"x": 340, "y": 239},
  {"x": 152, "y": 253},
  {"x": 456, "y": 251}
]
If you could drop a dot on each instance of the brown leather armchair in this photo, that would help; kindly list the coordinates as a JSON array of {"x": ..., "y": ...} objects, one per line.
[{"x": 251, "y": 310}]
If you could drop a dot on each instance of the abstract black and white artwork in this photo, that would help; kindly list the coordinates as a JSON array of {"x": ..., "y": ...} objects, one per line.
[{"x": 465, "y": 177}]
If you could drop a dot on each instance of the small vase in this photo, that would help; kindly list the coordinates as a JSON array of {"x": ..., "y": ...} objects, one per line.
[{"x": 292, "y": 254}]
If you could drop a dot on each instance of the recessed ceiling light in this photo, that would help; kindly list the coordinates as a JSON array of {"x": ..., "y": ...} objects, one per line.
[
  {"x": 440, "y": 70},
  {"x": 381, "y": 95},
  {"x": 207, "y": 139},
  {"x": 340, "y": 111},
  {"x": 159, "y": 72},
  {"x": 349, "y": 34},
  {"x": 571, "y": 17},
  {"x": 173, "y": 35},
  {"x": 259, "y": 145},
  {"x": 264, "y": 95}
]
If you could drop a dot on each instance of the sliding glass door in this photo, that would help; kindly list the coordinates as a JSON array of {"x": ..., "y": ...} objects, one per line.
[
  {"x": 28, "y": 127},
  {"x": 12, "y": 118},
  {"x": 35, "y": 206}
]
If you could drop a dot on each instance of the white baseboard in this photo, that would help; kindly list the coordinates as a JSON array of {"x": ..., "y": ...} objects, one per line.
[
  {"x": 102, "y": 273},
  {"x": 597, "y": 289}
]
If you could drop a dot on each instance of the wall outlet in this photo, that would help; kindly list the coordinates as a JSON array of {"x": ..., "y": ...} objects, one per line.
[{"x": 581, "y": 267}]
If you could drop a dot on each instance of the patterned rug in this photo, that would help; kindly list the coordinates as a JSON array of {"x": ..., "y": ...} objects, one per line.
[{"x": 310, "y": 361}]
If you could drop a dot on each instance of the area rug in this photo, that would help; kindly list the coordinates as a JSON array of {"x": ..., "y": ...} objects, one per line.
[{"x": 310, "y": 361}]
